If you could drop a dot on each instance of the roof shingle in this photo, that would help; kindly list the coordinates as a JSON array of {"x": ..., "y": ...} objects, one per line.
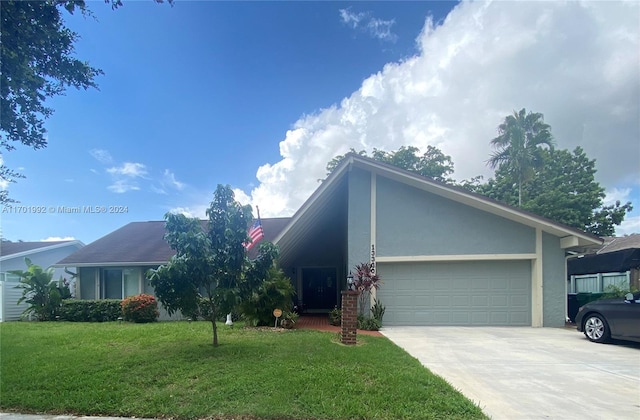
[{"x": 140, "y": 243}]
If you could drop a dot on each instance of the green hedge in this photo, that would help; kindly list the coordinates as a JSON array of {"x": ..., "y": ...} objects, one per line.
[{"x": 90, "y": 310}]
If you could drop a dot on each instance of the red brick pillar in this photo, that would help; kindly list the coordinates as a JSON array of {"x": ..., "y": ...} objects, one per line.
[{"x": 349, "y": 316}]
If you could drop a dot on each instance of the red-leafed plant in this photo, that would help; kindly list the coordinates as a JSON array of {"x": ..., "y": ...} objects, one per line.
[
  {"x": 364, "y": 280},
  {"x": 140, "y": 308}
]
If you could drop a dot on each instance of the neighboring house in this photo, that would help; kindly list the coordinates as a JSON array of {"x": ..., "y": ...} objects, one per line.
[
  {"x": 12, "y": 257},
  {"x": 446, "y": 256},
  {"x": 616, "y": 263}
]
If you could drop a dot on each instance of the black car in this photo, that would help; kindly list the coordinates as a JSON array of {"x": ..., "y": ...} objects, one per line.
[{"x": 617, "y": 318}]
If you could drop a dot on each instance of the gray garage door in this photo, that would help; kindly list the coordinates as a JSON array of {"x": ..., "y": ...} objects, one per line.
[{"x": 456, "y": 293}]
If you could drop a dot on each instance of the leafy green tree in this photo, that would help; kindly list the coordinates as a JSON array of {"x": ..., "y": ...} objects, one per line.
[
  {"x": 520, "y": 141},
  {"x": 433, "y": 163},
  {"x": 43, "y": 295},
  {"x": 563, "y": 189},
  {"x": 36, "y": 62},
  {"x": 333, "y": 163},
  {"x": 210, "y": 261}
]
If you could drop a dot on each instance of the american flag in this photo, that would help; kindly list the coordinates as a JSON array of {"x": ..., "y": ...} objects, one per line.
[{"x": 255, "y": 233}]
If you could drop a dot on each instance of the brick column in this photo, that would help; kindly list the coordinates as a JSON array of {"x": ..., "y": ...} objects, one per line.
[{"x": 349, "y": 317}]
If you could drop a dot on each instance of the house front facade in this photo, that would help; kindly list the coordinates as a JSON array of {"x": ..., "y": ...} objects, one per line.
[{"x": 446, "y": 256}]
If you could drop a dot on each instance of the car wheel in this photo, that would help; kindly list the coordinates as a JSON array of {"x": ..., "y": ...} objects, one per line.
[{"x": 596, "y": 329}]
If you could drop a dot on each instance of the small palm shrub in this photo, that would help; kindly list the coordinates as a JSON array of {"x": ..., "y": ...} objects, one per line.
[
  {"x": 276, "y": 291},
  {"x": 377, "y": 310},
  {"x": 288, "y": 319},
  {"x": 140, "y": 308},
  {"x": 335, "y": 316},
  {"x": 368, "y": 324},
  {"x": 43, "y": 295}
]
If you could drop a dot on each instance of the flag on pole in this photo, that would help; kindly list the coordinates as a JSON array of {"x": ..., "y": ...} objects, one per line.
[{"x": 255, "y": 233}]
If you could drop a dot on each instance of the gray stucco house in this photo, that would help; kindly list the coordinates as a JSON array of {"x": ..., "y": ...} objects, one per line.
[{"x": 446, "y": 256}]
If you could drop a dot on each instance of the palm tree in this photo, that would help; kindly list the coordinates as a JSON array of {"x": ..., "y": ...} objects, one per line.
[{"x": 521, "y": 137}]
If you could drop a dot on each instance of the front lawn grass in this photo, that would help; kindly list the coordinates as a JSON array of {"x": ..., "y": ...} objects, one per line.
[{"x": 170, "y": 369}]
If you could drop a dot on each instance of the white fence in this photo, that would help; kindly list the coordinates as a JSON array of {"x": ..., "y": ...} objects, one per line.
[{"x": 9, "y": 295}]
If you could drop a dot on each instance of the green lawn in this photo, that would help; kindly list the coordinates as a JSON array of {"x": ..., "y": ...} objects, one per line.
[{"x": 169, "y": 369}]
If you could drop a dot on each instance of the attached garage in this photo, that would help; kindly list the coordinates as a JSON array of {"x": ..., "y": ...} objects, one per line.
[{"x": 457, "y": 293}]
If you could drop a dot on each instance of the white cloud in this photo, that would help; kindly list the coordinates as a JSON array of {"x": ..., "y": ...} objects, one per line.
[
  {"x": 125, "y": 177},
  {"x": 365, "y": 22},
  {"x": 167, "y": 182},
  {"x": 58, "y": 238},
  {"x": 101, "y": 155},
  {"x": 241, "y": 197},
  {"x": 617, "y": 194},
  {"x": 182, "y": 210},
  {"x": 628, "y": 226},
  {"x": 122, "y": 186},
  {"x": 3, "y": 182},
  {"x": 198, "y": 210},
  {"x": 577, "y": 63},
  {"x": 158, "y": 190},
  {"x": 350, "y": 18},
  {"x": 130, "y": 169},
  {"x": 170, "y": 179}
]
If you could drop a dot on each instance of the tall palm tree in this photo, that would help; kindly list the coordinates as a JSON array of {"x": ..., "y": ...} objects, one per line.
[{"x": 521, "y": 137}]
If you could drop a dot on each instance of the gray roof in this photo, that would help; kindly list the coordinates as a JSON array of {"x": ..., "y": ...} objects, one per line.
[
  {"x": 142, "y": 243},
  {"x": 8, "y": 248},
  {"x": 612, "y": 243}
]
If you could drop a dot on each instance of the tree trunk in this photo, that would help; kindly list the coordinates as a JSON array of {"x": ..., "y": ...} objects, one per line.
[
  {"x": 519, "y": 190},
  {"x": 214, "y": 326},
  {"x": 215, "y": 333}
]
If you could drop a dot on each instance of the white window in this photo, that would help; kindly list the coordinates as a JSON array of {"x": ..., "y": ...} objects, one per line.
[{"x": 8, "y": 277}]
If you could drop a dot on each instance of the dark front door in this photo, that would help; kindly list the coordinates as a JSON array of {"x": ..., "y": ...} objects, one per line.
[{"x": 320, "y": 289}]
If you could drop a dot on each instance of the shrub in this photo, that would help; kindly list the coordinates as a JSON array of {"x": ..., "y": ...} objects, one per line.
[
  {"x": 288, "y": 319},
  {"x": 377, "y": 310},
  {"x": 616, "y": 291},
  {"x": 43, "y": 295},
  {"x": 368, "y": 324},
  {"x": 276, "y": 291},
  {"x": 140, "y": 308},
  {"x": 335, "y": 316},
  {"x": 364, "y": 280},
  {"x": 103, "y": 310}
]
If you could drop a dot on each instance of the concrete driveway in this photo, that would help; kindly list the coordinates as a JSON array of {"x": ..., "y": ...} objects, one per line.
[{"x": 530, "y": 373}]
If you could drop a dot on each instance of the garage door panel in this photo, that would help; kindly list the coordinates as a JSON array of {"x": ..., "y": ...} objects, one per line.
[
  {"x": 479, "y": 318},
  {"x": 500, "y": 284},
  {"x": 479, "y": 284},
  {"x": 461, "y": 301},
  {"x": 499, "y": 301},
  {"x": 456, "y": 293},
  {"x": 519, "y": 301}
]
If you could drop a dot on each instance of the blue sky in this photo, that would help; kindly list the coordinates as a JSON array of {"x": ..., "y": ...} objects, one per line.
[{"x": 260, "y": 95}]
